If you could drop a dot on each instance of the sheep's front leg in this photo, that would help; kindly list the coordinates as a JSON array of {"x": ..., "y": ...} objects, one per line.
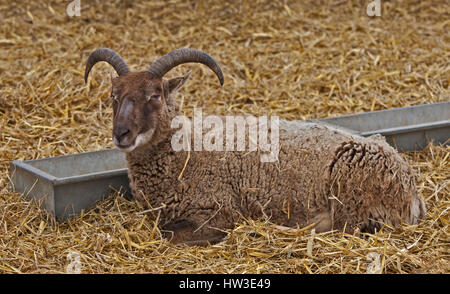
[{"x": 185, "y": 232}]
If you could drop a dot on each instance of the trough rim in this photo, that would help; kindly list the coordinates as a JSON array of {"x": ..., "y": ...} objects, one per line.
[{"x": 56, "y": 181}]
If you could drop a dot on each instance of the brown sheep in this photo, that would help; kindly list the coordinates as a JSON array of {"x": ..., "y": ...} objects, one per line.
[{"x": 323, "y": 176}]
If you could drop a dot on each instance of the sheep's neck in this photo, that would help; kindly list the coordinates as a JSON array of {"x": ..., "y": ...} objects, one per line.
[{"x": 160, "y": 165}]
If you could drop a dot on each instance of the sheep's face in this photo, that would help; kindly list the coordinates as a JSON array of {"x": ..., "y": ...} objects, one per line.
[
  {"x": 139, "y": 102},
  {"x": 142, "y": 106}
]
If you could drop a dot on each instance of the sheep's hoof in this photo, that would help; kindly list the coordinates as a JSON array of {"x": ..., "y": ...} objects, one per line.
[
  {"x": 203, "y": 242},
  {"x": 184, "y": 232},
  {"x": 322, "y": 222}
]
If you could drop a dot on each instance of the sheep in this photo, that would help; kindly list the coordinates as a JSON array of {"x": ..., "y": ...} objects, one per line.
[{"x": 324, "y": 177}]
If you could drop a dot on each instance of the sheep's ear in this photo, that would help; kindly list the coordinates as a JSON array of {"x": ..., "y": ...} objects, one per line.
[{"x": 176, "y": 83}]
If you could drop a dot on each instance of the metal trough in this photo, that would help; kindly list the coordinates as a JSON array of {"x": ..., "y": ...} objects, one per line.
[
  {"x": 406, "y": 129},
  {"x": 72, "y": 183}
]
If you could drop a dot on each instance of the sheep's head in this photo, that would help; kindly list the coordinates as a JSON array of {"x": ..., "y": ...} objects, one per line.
[{"x": 141, "y": 100}]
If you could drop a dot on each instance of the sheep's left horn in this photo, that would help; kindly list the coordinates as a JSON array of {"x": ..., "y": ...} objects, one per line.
[
  {"x": 105, "y": 54},
  {"x": 184, "y": 55}
]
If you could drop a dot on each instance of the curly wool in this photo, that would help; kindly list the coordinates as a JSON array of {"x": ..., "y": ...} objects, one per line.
[{"x": 323, "y": 175}]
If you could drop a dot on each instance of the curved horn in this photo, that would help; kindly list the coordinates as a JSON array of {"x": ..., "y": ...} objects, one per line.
[
  {"x": 184, "y": 55},
  {"x": 105, "y": 54}
]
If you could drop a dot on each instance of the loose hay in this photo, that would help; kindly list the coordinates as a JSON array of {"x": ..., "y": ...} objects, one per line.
[{"x": 296, "y": 60}]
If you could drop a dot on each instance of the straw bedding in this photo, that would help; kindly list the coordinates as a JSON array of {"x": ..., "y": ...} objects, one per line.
[{"x": 297, "y": 60}]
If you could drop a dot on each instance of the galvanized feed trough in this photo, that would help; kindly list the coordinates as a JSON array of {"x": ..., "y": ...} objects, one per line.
[
  {"x": 407, "y": 128},
  {"x": 71, "y": 183},
  {"x": 67, "y": 184}
]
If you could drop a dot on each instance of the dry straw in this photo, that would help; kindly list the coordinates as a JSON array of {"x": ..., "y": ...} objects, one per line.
[{"x": 295, "y": 59}]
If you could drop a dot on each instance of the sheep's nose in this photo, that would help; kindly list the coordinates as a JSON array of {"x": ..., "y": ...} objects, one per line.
[{"x": 120, "y": 133}]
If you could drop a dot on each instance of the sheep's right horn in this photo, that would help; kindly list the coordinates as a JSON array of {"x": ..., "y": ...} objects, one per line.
[
  {"x": 105, "y": 54},
  {"x": 184, "y": 55}
]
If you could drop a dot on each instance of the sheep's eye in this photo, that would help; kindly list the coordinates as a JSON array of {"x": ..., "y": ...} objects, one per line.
[{"x": 154, "y": 97}]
